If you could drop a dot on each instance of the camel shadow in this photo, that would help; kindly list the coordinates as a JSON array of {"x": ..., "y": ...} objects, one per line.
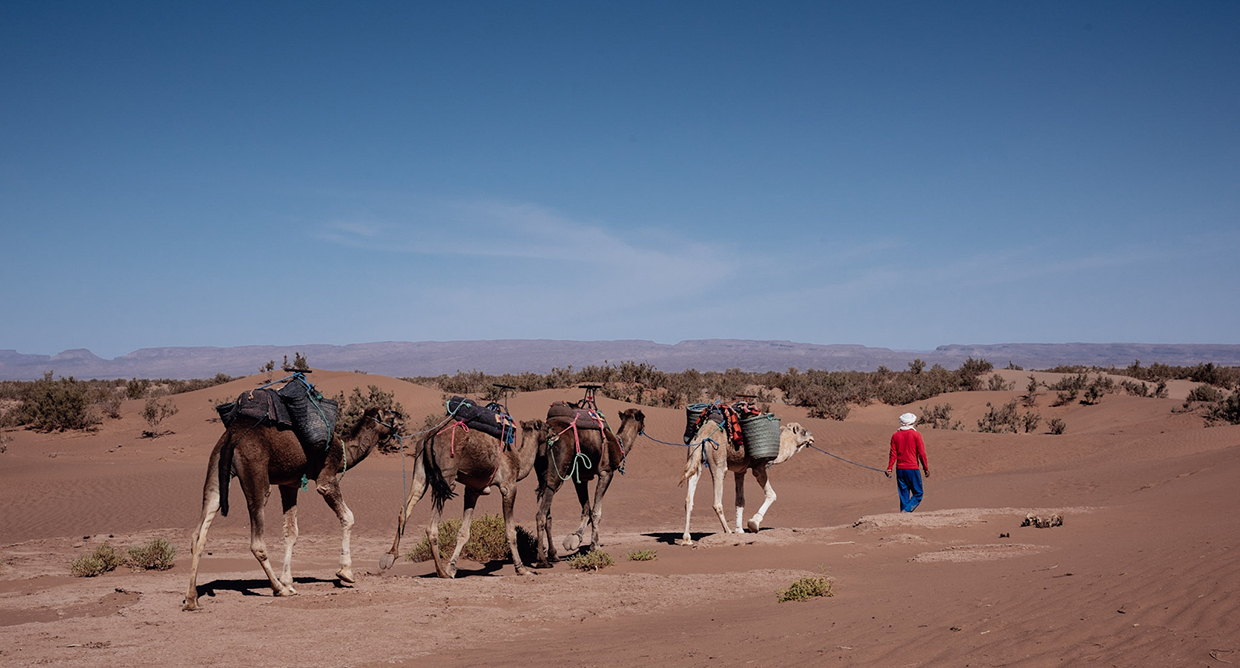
[
  {"x": 670, "y": 537},
  {"x": 489, "y": 568},
  {"x": 255, "y": 587}
]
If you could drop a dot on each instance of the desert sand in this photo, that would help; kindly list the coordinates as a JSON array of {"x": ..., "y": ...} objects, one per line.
[{"x": 1144, "y": 571}]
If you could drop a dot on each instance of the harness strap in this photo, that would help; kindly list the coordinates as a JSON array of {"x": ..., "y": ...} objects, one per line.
[{"x": 452, "y": 428}]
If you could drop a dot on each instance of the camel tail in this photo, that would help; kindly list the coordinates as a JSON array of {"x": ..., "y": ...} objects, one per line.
[
  {"x": 441, "y": 491},
  {"x": 694, "y": 464},
  {"x": 225, "y": 470}
]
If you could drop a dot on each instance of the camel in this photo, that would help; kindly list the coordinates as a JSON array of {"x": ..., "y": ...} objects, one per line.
[
  {"x": 559, "y": 460},
  {"x": 260, "y": 455},
  {"x": 479, "y": 461},
  {"x": 712, "y": 445}
]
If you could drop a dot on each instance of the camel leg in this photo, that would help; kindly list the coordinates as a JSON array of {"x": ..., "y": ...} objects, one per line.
[
  {"x": 687, "y": 539},
  {"x": 462, "y": 536},
  {"x": 509, "y": 494},
  {"x": 740, "y": 499},
  {"x": 542, "y": 521},
  {"x": 210, "y": 506},
  {"x": 596, "y": 513},
  {"x": 415, "y": 494},
  {"x": 573, "y": 540},
  {"x": 257, "y": 489},
  {"x": 331, "y": 494},
  {"x": 288, "y": 500},
  {"x": 719, "y": 473},
  {"x": 759, "y": 472}
]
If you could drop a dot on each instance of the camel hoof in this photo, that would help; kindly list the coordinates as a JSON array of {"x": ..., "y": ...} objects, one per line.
[
  {"x": 688, "y": 542},
  {"x": 386, "y": 561},
  {"x": 287, "y": 591},
  {"x": 346, "y": 577},
  {"x": 190, "y": 606},
  {"x": 571, "y": 542},
  {"x": 753, "y": 525}
]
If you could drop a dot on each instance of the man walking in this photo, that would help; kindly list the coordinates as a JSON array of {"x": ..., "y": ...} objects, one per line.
[{"x": 908, "y": 453}]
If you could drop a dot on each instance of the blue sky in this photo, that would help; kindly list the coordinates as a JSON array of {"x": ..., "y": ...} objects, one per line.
[{"x": 884, "y": 173}]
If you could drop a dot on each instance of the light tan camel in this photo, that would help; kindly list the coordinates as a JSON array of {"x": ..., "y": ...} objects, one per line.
[
  {"x": 559, "y": 460},
  {"x": 712, "y": 445},
  {"x": 260, "y": 455},
  {"x": 479, "y": 461}
]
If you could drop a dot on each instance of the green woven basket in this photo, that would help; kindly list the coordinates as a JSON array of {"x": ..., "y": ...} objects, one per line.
[
  {"x": 692, "y": 413},
  {"x": 761, "y": 434}
]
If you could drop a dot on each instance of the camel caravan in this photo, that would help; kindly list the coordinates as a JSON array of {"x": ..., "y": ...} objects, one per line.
[{"x": 287, "y": 437}]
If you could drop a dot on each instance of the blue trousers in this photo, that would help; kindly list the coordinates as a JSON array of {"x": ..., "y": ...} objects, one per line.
[{"x": 909, "y": 482}]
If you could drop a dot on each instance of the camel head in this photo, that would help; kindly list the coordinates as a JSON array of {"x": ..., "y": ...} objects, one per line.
[
  {"x": 633, "y": 415},
  {"x": 385, "y": 422},
  {"x": 531, "y": 433},
  {"x": 793, "y": 438}
]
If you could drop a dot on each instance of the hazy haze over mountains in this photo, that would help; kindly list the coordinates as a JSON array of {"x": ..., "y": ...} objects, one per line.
[{"x": 430, "y": 358}]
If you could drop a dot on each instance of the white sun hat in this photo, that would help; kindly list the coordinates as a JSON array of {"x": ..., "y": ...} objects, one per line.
[{"x": 908, "y": 420}]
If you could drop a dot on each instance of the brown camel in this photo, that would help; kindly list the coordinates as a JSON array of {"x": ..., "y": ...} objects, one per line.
[
  {"x": 559, "y": 460},
  {"x": 711, "y": 444},
  {"x": 260, "y": 455},
  {"x": 479, "y": 461}
]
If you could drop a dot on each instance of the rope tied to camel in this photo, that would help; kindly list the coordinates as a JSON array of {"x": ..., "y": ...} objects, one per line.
[
  {"x": 580, "y": 456},
  {"x": 845, "y": 460}
]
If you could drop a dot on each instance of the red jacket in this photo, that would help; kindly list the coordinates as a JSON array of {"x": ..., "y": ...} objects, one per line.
[{"x": 907, "y": 450}]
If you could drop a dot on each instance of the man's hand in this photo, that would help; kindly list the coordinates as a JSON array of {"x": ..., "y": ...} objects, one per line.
[
  {"x": 887, "y": 473},
  {"x": 927, "y": 472}
]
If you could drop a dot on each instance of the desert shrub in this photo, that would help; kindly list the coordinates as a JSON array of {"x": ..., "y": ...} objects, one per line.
[
  {"x": 109, "y": 402},
  {"x": 355, "y": 405},
  {"x": 1029, "y": 421},
  {"x": 1225, "y": 410},
  {"x": 1064, "y": 397},
  {"x": 487, "y": 542},
  {"x": 939, "y": 417},
  {"x": 49, "y": 405},
  {"x": 594, "y": 560},
  {"x": 154, "y": 413},
  {"x": 1205, "y": 393},
  {"x": 999, "y": 420},
  {"x": 1074, "y": 383},
  {"x": 102, "y": 560},
  {"x": 996, "y": 384},
  {"x": 136, "y": 388},
  {"x": 971, "y": 372},
  {"x": 1056, "y": 426},
  {"x": 1160, "y": 390},
  {"x": 157, "y": 555},
  {"x": 806, "y": 588},
  {"x": 1136, "y": 388},
  {"x": 1030, "y": 398},
  {"x": 643, "y": 555}
]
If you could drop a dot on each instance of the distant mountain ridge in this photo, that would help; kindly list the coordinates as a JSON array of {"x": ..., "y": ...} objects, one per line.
[{"x": 431, "y": 358}]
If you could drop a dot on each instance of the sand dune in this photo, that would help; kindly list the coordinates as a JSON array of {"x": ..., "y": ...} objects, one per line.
[{"x": 1145, "y": 570}]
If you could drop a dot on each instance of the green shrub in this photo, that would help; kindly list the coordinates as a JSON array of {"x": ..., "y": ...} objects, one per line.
[
  {"x": 487, "y": 542},
  {"x": 62, "y": 404},
  {"x": 643, "y": 555},
  {"x": 939, "y": 417},
  {"x": 999, "y": 420},
  {"x": 1226, "y": 410},
  {"x": 102, "y": 560},
  {"x": 136, "y": 388},
  {"x": 594, "y": 560},
  {"x": 806, "y": 588},
  {"x": 353, "y": 407},
  {"x": 157, "y": 555},
  {"x": 1056, "y": 426},
  {"x": 1205, "y": 393}
]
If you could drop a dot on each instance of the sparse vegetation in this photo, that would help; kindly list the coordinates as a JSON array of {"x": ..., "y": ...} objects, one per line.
[
  {"x": 808, "y": 587},
  {"x": 1055, "y": 426},
  {"x": 487, "y": 541},
  {"x": 154, "y": 413},
  {"x": 1205, "y": 394},
  {"x": 1007, "y": 418},
  {"x": 939, "y": 417},
  {"x": 102, "y": 560},
  {"x": 156, "y": 555},
  {"x": 643, "y": 555},
  {"x": 594, "y": 560},
  {"x": 54, "y": 405},
  {"x": 1223, "y": 411},
  {"x": 136, "y": 388},
  {"x": 354, "y": 406}
]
